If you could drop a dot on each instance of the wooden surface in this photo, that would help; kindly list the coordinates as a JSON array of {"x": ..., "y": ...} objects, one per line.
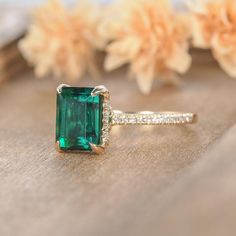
[{"x": 151, "y": 181}]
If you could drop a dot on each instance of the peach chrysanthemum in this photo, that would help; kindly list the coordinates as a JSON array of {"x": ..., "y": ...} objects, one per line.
[
  {"x": 62, "y": 41},
  {"x": 150, "y": 37},
  {"x": 215, "y": 28}
]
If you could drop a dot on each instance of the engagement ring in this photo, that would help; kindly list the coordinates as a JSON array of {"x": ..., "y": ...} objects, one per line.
[{"x": 85, "y": 118}]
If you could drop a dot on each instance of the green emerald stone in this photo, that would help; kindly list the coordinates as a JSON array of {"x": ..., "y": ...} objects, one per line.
[{"x": 79, "y": 119}]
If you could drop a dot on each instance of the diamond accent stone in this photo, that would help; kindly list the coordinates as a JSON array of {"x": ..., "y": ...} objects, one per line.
[
  {"x": 151, "y": 118},
  {"x": 106, "y": 120}
]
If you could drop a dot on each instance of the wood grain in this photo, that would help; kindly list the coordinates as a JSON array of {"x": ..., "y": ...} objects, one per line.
[{"x": 151, "y": 181}]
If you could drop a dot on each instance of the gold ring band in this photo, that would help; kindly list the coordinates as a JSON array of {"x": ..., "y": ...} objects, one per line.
[{"x": 152, "y": 118}]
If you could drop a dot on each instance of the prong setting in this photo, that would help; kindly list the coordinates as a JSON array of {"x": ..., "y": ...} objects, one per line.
[
  {"x": 100, "y": 96},
  {"x": 97, "y": 149},
  {"x": 101, "y": 89},
  {"x": 59, "y": 88},
  {"x": 57, "y": 146}
]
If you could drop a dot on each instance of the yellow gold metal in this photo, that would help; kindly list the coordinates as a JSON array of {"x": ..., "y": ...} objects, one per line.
[
  {"x": 101, "y": 89},
  {"x": 97, "y": 149},
  {"x": 57, "y": 146},
  {"x": 59, "y": 88},
  {"x": 195, "y": 119},
  {"x": 152, "y": 118}
]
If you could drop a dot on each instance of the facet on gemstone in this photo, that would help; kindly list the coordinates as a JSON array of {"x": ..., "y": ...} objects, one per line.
[{"x": 79, "y": 119}]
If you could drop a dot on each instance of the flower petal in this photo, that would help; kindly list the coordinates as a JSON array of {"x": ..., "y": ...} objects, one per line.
[
  {"x": 145, "y": 77},
  {"x": 180, "y": 61},
  {"x": 199, "y": 40},
  {"x": 227, "y": 63},
  {"x": 219, "y": 46},
  {"x": 114, "y": 61}
]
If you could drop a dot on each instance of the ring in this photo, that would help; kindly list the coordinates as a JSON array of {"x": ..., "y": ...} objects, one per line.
[{"x": 84, "y": 118}]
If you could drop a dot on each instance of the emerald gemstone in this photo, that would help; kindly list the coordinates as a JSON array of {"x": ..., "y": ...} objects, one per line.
[{"x": 79, "y": 119}]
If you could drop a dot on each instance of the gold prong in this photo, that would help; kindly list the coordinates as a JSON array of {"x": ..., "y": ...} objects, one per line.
[
  {"x": 97, "y": 149},
  {"x": 59, "y": 88},
  {"x": 101, "y": 89},
  {"x": 57, "y": 146}
]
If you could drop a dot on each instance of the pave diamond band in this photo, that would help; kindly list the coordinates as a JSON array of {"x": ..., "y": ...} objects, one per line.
[
  {"x": 152, "y": 118},
  {"x": 85, "y": 118}
]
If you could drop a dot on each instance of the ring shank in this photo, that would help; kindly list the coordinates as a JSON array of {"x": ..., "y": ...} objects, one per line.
[{"x": 152, "y": 118}]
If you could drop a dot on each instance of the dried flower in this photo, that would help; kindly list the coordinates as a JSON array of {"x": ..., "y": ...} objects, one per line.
[
  {"x": 149, "y": 36},
  {"x": 215, "y": 28},
  {"x": 62, "y": 41}
]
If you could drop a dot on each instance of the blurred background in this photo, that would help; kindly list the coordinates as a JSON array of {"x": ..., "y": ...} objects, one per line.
[
  {"x": 165, "y": 181},
  {"x": 25, "y": 3}
]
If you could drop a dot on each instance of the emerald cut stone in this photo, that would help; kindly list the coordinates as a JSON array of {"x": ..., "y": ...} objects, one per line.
[{"x": 79, "y": 119}]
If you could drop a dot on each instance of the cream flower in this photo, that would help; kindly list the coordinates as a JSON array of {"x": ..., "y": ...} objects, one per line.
[
  {"x": 215, "y": 28},
  {"x": 62, "y": 41},
  {"x": 149, "y": 36}
]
